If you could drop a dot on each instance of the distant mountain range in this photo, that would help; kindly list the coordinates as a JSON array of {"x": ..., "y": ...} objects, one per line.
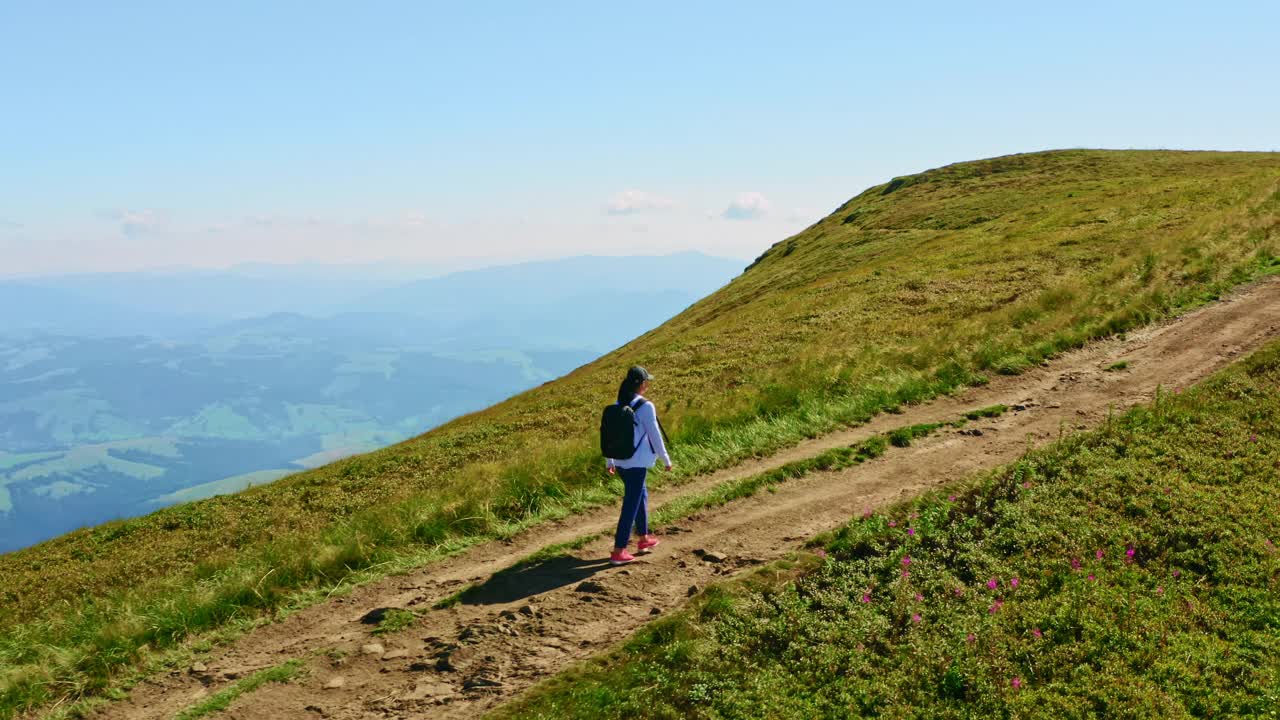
[
  {"x": 122, "y": 393},
  {"x": 192, "y": 303}
]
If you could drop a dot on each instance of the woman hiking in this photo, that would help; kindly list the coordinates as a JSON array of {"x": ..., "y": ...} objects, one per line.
[{"x": 648, "y": 445}]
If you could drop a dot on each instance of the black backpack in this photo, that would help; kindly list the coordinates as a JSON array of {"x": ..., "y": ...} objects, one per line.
[{"x": 617, "y": 431}]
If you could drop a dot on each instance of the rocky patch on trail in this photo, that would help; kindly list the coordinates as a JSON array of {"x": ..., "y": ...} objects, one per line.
[
  {"x": 433, "y": 691},
  {"x": 374, "y": 616},
  {"x": 483, "y": 681}
]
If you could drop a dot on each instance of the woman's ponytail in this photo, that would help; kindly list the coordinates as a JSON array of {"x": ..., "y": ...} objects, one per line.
[
  {"x": 636, "y": 377},
  {"x": 627, "y": 391}
]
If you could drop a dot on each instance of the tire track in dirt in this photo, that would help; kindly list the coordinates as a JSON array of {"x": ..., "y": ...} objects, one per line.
[{"x": 523, "y": 626}]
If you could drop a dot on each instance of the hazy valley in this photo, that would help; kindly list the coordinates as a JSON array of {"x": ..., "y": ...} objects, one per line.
[{"x": 96, "y": 426}]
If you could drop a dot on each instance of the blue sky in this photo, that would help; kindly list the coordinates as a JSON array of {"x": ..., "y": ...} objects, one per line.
[{"x": 158, "y": 134}]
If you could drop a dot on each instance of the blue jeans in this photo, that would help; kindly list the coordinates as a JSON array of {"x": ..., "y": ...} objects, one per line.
[{"x": 635, "y": 505}]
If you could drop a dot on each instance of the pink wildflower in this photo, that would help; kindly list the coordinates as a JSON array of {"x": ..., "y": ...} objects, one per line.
[
  {"x": 992, "y": 584},
  {"x": 820, "y": 553},
  {"x": 952, "y": 498},
  {"x": 915, "y": 618},
  {"x": 866, "y": 597},
  {"x": 971, "y": 638},
  {"x": 1098, "y": 554},
  {"x": 1037, "y": 633},
  {"x": 906, "y": 559},
  {"x": 911, "y": 531},
  {"x": 1159, "y": 590},
  {"x": 906, "y": 573},
  {"x": 1026, "y": 485},
  {"x": 1253, "y": 438},
  {"x": 1091, "y": 576},
  {"x": 866, "y": 513},
  {"x": 919, "y": 597},
  {"x": 1129, "y": 553},
  {"x": 1177, "y": 573},
  {"x": 1014, "y": 582},
  {"x": 1016, "y": 683},
  {"x": 995, "y": 608},
  {"x": 959, "y": 591},
  {"x": 1075, "y": 563},
  {"x": 893, "y": 523}
]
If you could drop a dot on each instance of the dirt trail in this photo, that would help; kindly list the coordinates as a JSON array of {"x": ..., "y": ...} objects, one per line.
[{"x": 522, "y": 626}]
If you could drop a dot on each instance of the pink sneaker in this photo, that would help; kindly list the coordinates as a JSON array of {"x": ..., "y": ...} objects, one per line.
[
  {"x": 620, "y": 557},
  {"x": 647, "y": 544}
]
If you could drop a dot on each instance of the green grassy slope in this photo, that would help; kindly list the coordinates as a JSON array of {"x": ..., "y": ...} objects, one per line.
[
  {"x": 1127, "y": 572},
  {"x": 906, "y": 291}
]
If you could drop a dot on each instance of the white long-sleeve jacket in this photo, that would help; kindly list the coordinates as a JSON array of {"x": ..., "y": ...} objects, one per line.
[{"x": 648, "y": 439}]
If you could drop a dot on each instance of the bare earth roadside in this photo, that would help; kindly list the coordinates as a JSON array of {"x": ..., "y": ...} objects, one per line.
[{"x": 523, "y": 627}]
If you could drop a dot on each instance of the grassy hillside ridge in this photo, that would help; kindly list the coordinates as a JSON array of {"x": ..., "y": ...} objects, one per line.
[
  {"x": 909, "y": 290},
  {"x": 1126, "y": 572}
]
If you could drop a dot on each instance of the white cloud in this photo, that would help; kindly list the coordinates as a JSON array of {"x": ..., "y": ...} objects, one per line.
[
  {"x": 415, "y": 219},
  {"x": 747, "y": 206},
  {"x": 135, "y": 223},
  {"x": 262, "y": 221},
  {"x": 629, "y": 202}
]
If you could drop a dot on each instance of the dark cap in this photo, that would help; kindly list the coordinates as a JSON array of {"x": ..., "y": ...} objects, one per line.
[{"x": 637, "y": 375}]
